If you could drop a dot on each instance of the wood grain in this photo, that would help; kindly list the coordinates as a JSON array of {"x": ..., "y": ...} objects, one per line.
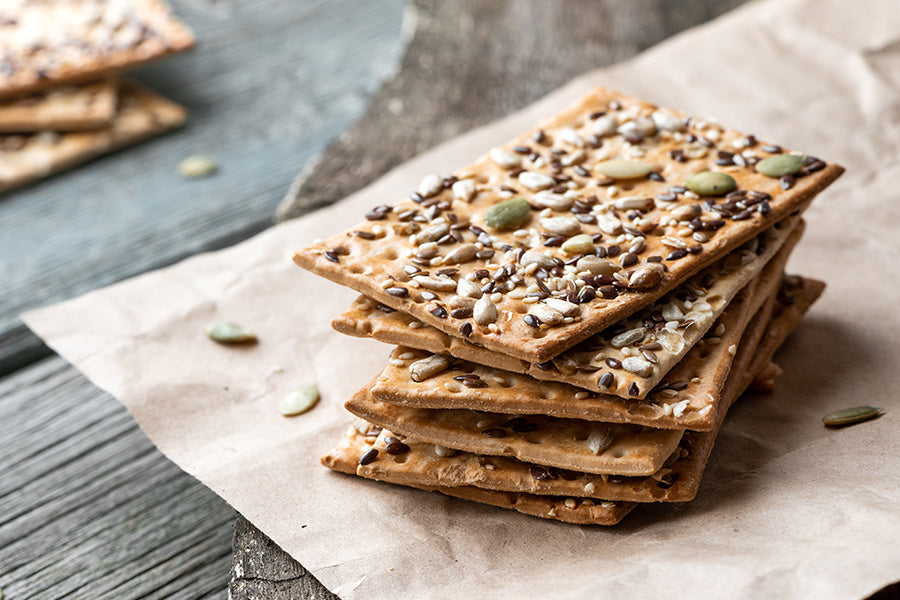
[
  {"x": 269, "y": 84},
  {"x": 468, "y": 62}
]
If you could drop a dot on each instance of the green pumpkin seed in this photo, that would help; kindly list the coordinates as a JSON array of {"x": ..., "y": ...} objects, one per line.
[
  {"x": 508, "y": 214},
  {"x": 299, "y": 401},
  {"x": 624, "y": 169},
  {"x": 711, "y": 183},
  {"x": 851, "y": 416},
  {"x": 197, "y": 166},
  {"x": 780, "y": 165},
  {"x": 578, "y": 244},
  {"x": 230, "y": 333}
]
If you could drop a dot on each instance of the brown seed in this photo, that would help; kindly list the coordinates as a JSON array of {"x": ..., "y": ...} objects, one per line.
[
  {"x": 646, "y": 277},
  {"x": 370, "y": 455},
  {"x": 396, "y": 447},
  {"x": 494, "y": 432},
  {"x": 606, "y": 380}
]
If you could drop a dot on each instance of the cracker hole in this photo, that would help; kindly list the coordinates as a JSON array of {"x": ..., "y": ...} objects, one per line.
[
  {"x": 400, "y": 458},
  {"x": 389, "y": 253},
  {"x": 618, "y": 454},
  {"x": 356, "y": 269},
  {"x": 704, "y": 353}
]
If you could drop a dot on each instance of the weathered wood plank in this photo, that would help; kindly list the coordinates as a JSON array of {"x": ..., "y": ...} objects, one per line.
[
  {"x": 89, "y": 508},
  {"x": 269, "y": 84},
  {"x": 467, "y": 63}
]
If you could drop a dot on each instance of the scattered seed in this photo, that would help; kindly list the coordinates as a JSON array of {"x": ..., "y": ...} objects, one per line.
[
  {"x": 226, "y": 332},
  {"x": 578, "y": 244},
  {"x": 299, "y": 401},
  {"x": 197, "y": 166},
  {"x": 851, "y": 416}
]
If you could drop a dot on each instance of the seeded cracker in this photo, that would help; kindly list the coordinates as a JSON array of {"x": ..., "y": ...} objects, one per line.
[
  {"x": 47, "y": 42},
  {"x": 688, "y": 398},
  {"x": 141, "y": 114},
  {"x": 423, "y": 465},
  {"x": 628, "y": 359},
  {"x": 66, "y": 108},
  {"x": 350, "y": 451},
  {"x": 533, "y": 299}
]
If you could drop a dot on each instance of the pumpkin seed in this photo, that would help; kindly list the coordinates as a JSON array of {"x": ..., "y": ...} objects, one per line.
[
  {"x": 578, "y": 244},
  {"x": 711, "y": 183},
  {"x": 851, "y": 416},
  {"x": 299, "y": 401},
  {"x": 225, "y": 332},
  {"x": 197, "y": 166},
  {"x": 508, "y": 214},
  {"x": 624, "y": 169},
  {"x": 780, "y": 165}
]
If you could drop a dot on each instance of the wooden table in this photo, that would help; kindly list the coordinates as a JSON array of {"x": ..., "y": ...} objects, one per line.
[{"x": 88, "y": 507}]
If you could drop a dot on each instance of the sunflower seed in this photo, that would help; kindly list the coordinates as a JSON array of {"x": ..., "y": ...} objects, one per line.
[
  {"x": 505, "y": 159},
  {"x": 568, "y": 309},
  {"x": 468, "y": 289},
  {"x": 561, "y": 225},
  {"x": 638, "y": 366},
  {"x": 596, "y": 266},
  {"x": 634, "y": 203},
  {"x": 578, "y": 244},
  {"x": 547, "y": 199},
  {"x": 537, "y": 258},
  {"x": 600, "y": 439},
  {"x": 851, "y": 416},
  {"x": 225, "y": 332},
  {"x": 668, "y": 121},
  {"x": 428, "y": 367},
  {"x": 646, "y": 277},
  {"x": 605, "y": 125},
  {"x": 464, "y": 189},
  {"x": 438, "y": 284},
  {"x": 545, "y": 314},
  {"x": 628, "y": 338},
  {"x": 299, "y": 401},
  {"x": 485, "y": 311},
  {"x": 461, "y": 254},
  {"x": 536, "y": 181},
  {"x": 430, "y": 185}
]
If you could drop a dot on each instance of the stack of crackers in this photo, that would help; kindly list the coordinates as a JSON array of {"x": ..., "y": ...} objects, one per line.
[
  {"x": 574, "y": 313},
  {"x": 61, "y": 102}
]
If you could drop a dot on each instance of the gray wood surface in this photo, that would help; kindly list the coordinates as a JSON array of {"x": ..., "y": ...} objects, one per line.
[
  {"x": 88, "y": 507},
  {"x": 468, "y": 62},
  {"x": 269, "y": 84}
]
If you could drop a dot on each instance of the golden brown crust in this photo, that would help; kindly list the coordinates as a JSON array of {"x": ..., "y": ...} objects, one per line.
[
  {"x": 66, "y": 108},
  {"x": 45, "y": 43},
  {"x": 367, "y": 264},
  {"x": 141, "y": 114}
]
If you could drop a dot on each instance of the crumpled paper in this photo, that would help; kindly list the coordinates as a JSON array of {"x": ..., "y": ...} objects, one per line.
[{"x": 787, "y": 507}]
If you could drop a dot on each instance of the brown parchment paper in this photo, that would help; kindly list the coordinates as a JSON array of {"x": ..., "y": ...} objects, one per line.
[{"x": 787, "y": 508}]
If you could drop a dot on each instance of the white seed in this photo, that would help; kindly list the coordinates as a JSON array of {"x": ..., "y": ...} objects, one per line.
[
  {"x": 461, "y": 254},
  {"x": 590, "y": 488},
  {"x": 467, "y": 288},
  {"x": 428, "y": 367},
  {"x": 638, "y": 366},
  {"x": 396, "y": 362},
  {"x": 574, "y": 158},
  {"x": 196, "y": 166},
  {"x": 485, "y": 311},
  {"x": 668, "y": 121},
  {"x": 568, "y": 309},
  {"x": 430, "y": 185},
  {"x": 578, "y": 244},
  {"x": 605, "y": 125},
  {"x": 505, "y": 159},
  {"x": 547, "y": 199},
  {"x": 646, "y": 277},
  {"x": 536, "y": 181},
  {"x": 570, "y": 136},
  {"x": 561, "y": 225},
  {"x": 596, "y": 265},
  {"x": 642, "y": 126},
  {"x": 462, "y": 302},
  {"x": 443, "y": 451},
  {"x": 609, "y": 225},
  {"x": 600, "y": 439},
  {"x": 634, "y": 203},
  {"x": 628, "y": 338},
  {"x": 546, "y": 314},
  {"x": 686, "y": 212},
  {"x": 671, "y": 312},
  {"x": 299, "y": 401},
  {"x": 534, "y": 257},
  {"x": 433, "y": 233},
  {"x": 464, "y": 189},
  {"x": 438, "y": 284},
  {"x": 571, "y": 503}
]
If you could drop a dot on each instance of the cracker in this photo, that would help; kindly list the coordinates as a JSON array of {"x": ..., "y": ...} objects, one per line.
[
  {"x": 688, "y": 398},
  {"x": 665, "y": 331},
  {"x": 677, "y": 481},
  {"x": 592, "y": 447},
  {"x": 345, "y": 459},
  {"x": 66, "y": 108},
  {"x": 44, "y": 43},
  {"x": 141, "y": 114},
  {"x": 413, "y": 256}
]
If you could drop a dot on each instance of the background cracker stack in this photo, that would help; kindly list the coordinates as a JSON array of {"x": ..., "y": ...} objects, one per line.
[
  {"x": 61, "y": 102},
  {"x": 575, "y": 312}
]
